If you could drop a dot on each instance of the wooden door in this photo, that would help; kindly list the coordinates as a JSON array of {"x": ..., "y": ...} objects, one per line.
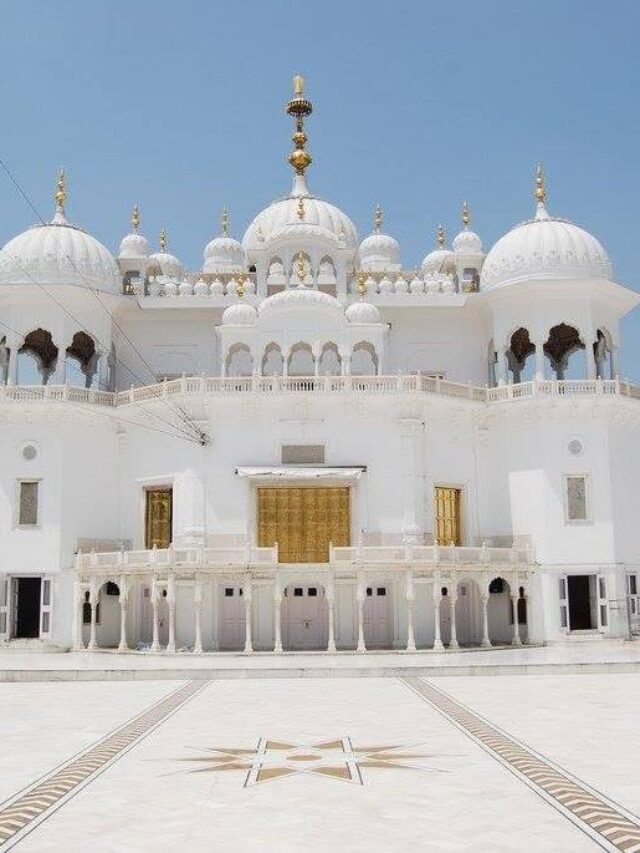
[{"x": 158, "y": 518}]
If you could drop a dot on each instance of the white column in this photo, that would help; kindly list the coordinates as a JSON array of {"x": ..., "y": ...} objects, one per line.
[
  {"x": 316, "y": 352},
  {"x": 124, "y": 602},
  {"x": 360, "y": 594},
  {"x": 486, "y": 642},
  {"x": 453, "y": 644},
  {"x": 330, "y": 597},
  {"x": 437, "y": 599},
  {"x": 588, "y": 339},
  {"x": 539, "y": 356},
  {"x": 516, "y": 630},
  {"x": 409, "y": 599},
  {"x": 79, "y": 591},
  {"x": 277, "y": 618},
  {"x": 248, "y": 614},
  {"x": 197, "y": 611},
  {"x": 502, "y": 367},
  {"x": 155, "y": 601},
  {"x": 59, "y": 376},
  {"x": 345, "y": 362},
  {"x": 12, "y": 372},
  {"x": 171, "y": 604},
  {"x": 615, "y": 368},
  {"x": 94, "y": 593},
  {"x": 216, "y": 620}
]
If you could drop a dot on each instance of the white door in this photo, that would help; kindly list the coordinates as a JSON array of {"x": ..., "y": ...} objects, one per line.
[
  {"x": 5, "y": 599},
  {"x": 603, "y": 604},
  {"x": 564, "y": 603},
  {"x": 45, "y": 607},
  {"x": 232, "y": 618},
  {"x": 304, "y": 618},
  {"x": 377, "y": 624},
  {"x": 633, "y": 590}
]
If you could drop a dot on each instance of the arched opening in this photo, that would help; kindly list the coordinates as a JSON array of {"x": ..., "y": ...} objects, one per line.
[
  {"x": 519, "y": 361},
  {"x": 82, "y": 359},
  {"x": 107, "y": 616},
  {"x": 500, "y": 612},
  {"x": 239, "y": 361},
  {"x": 330, "y": 361},
  {"x": 603, "y": 355},
  {"x": 4, "y": 361},
  {"x": 37, "y": 358},
  {"x": 364, "y": 359},
  {"x": 565, "y": 352},
  {"x": 468, "y": 613},
  {"x": 305, "y": 617},
  {"x": 327, "y": 276},
  {"x": 272, "y": 361},
  {"x": 444, "y": 615},
  {"x": 301, "y": 361},
  {"x": 276, "y": 279},
  {"x": 522, "y": 614},
  {"x": 301, "y": 271}
]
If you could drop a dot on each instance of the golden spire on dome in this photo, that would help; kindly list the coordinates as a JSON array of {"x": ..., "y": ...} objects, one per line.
[
  {"x": 301, "y": 267},
  {"x": 299, "y": 107},
  {"x": 61, "y": 190},
  {"x": 241, "y": 285},
  {"x": 541, "y": 187},
  {"x": 224, "y": 220},
  {"x": 466, "y": 215},
  {"x": 163, "y": 240},
  {"x": 135, "y": 218},
  {"x": 300, "y": 208},
  {"x": 361, "y": 283},
  {"x": 377, "y": 219},
  {"x": 440, "y": 237}
]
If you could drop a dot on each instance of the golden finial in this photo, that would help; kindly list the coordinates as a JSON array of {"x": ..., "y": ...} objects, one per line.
[
  {"x": 241, "y": 285},
  {"x": 225, "y": 221},
  {"x": 135, "y": 218},
  {"x": 466, "y": 215},
  {"x": 163, "y": 240},
  {"x": 377, "y": 219},
  {"x": 361, "y": 285},
  {"x": 541, "y": 188},
  {"x": 300, "y": 208},
  {"x": 440, "y": 237},
  {"x": 299, "y": 107},
  {"x": 301, "y": 267},
  {"x": 61, "y": 190}
]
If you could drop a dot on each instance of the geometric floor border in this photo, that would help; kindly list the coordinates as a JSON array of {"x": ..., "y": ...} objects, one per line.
[
  {"x": 26, "y": 810},
  {"x": 607, "y": 823}
]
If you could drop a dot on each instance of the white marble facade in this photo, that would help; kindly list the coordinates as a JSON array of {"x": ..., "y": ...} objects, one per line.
[{"x": 305, "y": 357}]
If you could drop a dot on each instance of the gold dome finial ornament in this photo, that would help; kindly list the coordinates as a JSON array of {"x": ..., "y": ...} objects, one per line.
[
  {"x": 541, "y": 187},
  {"x": 466, "y": 216},
  {"x": 135, "y": 218},
  {"x": 301, "y": 208},
  {"x": 361, "y": 283},
  {"x": 440, "y": 237},
  {"x": 377, "y": 219},
  {"x": 225, "y": 221},
  {"x": 241, "y": 285},
  {"x": 163, "y": 240},
  {"x": 61, "y": 190},
  {"x": 301, "y": 267},
  {"x": 299, "y": 107}
]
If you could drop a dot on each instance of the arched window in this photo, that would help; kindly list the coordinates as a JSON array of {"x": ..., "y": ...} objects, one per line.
[
  {"x": 602, "y": 355},
  {"x": 330, "y": 361},
  {"x": 276, "y": 279},
  {"x": 301, "y": 273},
  {"x": 82, "y": 360},
  {"x": 37, "y": 358},
  {"x": 301, "y": 361},
  {"x": 272, "y": 361},
  {"x": 521, "y": 366},
  {"x": 239, "y": 361},
  {"x": 364, "y": 359},
  {"x": 327, "y": 276},
  {"x": 563, "y": 343}
]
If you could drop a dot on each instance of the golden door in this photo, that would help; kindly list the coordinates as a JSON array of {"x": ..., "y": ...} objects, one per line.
[
  {"x": 303, "y": 521},
  {"x": 158, "y": 518},
  {"x": 447, "y": 516}
]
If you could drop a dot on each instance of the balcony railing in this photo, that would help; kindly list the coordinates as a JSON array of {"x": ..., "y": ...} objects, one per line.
[{"x": 364, "y": 385}]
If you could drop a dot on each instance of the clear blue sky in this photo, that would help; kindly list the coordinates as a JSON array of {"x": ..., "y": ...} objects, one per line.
[{"x": 179, "y": 106}]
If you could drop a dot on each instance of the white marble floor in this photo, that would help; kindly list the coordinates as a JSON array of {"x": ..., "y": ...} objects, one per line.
[{"x": 448, "y": 794}]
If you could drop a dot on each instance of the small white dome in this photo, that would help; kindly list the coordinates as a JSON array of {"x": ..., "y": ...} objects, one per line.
[
  {"x": 545, "y": 248},
  {"x": 379, "y": 252},
  {"x": 360, "y": 313},
  {"x": 133, "y": 246},
  {"x": 297, "y": 297},
  {"x": 169, "y": 264},
  {"x": 240, "y": 314},
  {"x": 224, "y": 254},
  {"x": 58, "y": 253},
  {"x": 467, "y": 243},
  {"x": 438, "y": 261}
]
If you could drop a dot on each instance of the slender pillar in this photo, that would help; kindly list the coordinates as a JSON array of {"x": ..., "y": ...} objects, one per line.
[
  {"x": 171, "y": 604},
  {"x": 12, "y": 371},
  {"x": 277, "y": 619},
  {"x": 155, "y": 593},
  {"x": 216, "y": 620},
  {"x": 331, "y": 641},
  {"x": 453, "y": 643},
  {"x": 197, "y": 610},
  {"x": 503, "y": 369},
  {"x": 123, "y": 583},
  {"x": 516, "y": 629},
  {"x": 78, "y": 644},
  {"x": 539, "y": 345},
  {"x": 360, "y": 593},
  {"x": 59, "y": 376},
  {"x": 248, "y": 613},
  {"x": 411, "y": 640},
  {"x": 93, "y": 601},
  {"x": 486, "y": 642},
  {"x": 437, "y": 641}
]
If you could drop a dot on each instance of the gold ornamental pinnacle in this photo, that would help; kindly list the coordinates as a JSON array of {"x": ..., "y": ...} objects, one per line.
[
  {"x": 440, "y": 237},
  {"x": 61, "y": 190},
  {"x": 135, "y": 218},
  {"x": 466, "y": 215},
  {"x": 163, "y": 240},
  {"x": 299, "y": 107},
  {"x": 541, "y": 187},
  {"x": 377, "y": 219},
  {"x": 361, "y": 283},
  {"x": 224, "y": 220}
]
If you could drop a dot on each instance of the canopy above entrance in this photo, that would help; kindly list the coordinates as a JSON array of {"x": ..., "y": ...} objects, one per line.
[{"x": 306, "y": 473}]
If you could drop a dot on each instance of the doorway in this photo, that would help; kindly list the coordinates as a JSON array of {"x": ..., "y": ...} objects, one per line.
[
  {"x": 304, "y": 618},
  {"x": 27, "y": 604},
  {"x": 580, "y": 602}
]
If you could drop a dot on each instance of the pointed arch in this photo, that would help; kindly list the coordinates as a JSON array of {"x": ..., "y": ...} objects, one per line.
[
  {"x": 37, "y": 358},
  {"x": 364, "y": 359},
  {"x": 272, "y": 360},
  {"x": 301, "y": 361}
]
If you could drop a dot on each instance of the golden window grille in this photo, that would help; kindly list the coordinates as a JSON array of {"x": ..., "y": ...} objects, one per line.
[
  {"x": 158, "y": 518},
  {"x": 303, "y": 521},
  {"x": 448, "y": 529}
]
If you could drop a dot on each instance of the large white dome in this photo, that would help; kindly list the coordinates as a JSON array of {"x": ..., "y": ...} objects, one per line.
[
  {"x": 285, "y": 212},
  {"x": 545, "y": 248},
  {"x": 58, "y": 253},
  {"x": 294, "y": 298}
]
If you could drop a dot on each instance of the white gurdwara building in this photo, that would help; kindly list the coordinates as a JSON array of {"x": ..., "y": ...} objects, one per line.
[{"x": 306, "y": 445}]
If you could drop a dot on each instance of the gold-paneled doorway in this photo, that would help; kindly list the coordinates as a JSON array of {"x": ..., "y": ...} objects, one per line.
[
  {"x": 303, "y": 521},
  {"x": 158, "y": 517}
]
